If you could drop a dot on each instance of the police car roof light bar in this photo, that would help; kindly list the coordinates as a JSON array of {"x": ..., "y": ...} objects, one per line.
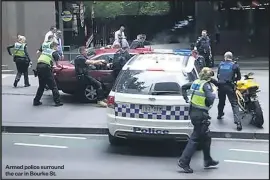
[
  {"x": 153, "y": 69},
  {"x": 183, "y": 52}
]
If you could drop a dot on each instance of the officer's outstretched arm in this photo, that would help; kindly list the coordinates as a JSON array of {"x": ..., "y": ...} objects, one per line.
[
  {"x": 8, "y": 49},
  {"x": 214, "y": 81},
  {"x": 238, "y": 72},
  {"x": 186, "y": 87}
]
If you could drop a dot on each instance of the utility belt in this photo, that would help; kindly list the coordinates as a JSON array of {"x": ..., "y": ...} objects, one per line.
[{"x": 17, "y": 59}]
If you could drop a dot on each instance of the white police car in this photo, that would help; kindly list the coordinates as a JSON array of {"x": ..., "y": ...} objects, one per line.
[{"x": 146, "y": 100}]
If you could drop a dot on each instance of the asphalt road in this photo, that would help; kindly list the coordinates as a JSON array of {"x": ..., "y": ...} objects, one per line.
[
  {"x": 74, "y": 114},
  {"x": 93, "y": 157}
]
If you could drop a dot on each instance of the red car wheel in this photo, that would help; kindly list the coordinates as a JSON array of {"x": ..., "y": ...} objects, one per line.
[{"x": 90, "y": 93}]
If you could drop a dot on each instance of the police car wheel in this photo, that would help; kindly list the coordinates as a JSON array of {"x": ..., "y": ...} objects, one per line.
[
  {"x": 90, "y": 93},
  {"x": 114, "y": 141}
]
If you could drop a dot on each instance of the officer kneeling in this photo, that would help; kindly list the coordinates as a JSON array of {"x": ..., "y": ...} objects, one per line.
[
  {"x": 202, "y": 99},
  {"x": 81, "y": 63},
  {"x": 45, "y": 74}
]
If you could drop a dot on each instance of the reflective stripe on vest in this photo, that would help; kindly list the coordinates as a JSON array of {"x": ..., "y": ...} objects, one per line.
[
  {"x": 46, "y": 56},
  {"x": 46, "y": 45},
  {"x": 19, "y": 50},
  {"x": 198, "y": 95}
]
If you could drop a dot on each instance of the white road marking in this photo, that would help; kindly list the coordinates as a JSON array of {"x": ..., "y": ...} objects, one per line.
[
  {"x": 6, "y": 75},
  {"x": 67, "y": 137},
  {"x": 248, "y": 150},
  {"x": 247, "y": 162},
  {"x": 242, "y": 140},
  {"x": 40, "y": 145}
]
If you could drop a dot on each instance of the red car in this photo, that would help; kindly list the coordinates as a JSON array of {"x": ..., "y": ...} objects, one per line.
[{"x": 66, "y": 79}]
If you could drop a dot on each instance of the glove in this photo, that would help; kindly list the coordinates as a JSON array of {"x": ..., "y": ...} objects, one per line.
[
  {"x": 30, "y": 64},
  {"x": 186, "y": 99}
]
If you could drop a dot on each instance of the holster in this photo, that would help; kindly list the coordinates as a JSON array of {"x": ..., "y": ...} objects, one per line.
[{"x": 205, "y": 123}]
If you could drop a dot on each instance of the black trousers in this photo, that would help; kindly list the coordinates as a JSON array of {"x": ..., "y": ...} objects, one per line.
[
  {"x": 228, "y": 90},
  {"x": 45, "y": 77},
  {"x": 208, "y": 61},
  {"x": 85, "y": 80},
  {"x": 200, "y": 135},
  {"x": 22, "y": 65}
]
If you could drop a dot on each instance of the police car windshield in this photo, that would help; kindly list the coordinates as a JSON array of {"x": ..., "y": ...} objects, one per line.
[{"x": 152, "y": 82}]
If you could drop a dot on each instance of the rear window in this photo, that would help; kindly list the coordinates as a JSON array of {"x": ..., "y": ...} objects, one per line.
[{"x": 152, "y": 82}]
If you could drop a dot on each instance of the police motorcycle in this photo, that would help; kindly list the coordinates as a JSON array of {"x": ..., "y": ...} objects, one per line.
[{"x": 247, "y": 97}]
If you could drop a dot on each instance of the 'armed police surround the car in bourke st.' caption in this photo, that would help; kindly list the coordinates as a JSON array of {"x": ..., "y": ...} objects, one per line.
[
  {"x": 202, "y": 99},
  {"x": 45, "y": 74},
  {"x": 82, "y": 63}
]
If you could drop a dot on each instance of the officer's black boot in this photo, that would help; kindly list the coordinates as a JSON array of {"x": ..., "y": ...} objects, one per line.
[
  {"x": 238, "y": 126},
  {"x": 220, "y": 115},
  {"x": 185, "y": 167},
  {"x": 37, "y": 103},
  {"x": 16, "y": 82},
  {"x": 211, "y": 163}
]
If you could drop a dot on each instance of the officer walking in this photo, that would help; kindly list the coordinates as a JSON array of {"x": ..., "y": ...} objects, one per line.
[
  {"x": 22, "y": 60},
  {"x": 204, "y": 48},
  {"x": 202, "y": 99},
  {"x": 81, "y": 68},
  {"x": 45, "y": 75},
  {"x": 228, "y": 74}
]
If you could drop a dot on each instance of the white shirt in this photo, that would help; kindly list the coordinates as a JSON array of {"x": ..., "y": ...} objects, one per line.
[
  {"x": 117, "y": 33},
  {"x": 124, "y": 43},
  {"x": 49, "y": 34}
]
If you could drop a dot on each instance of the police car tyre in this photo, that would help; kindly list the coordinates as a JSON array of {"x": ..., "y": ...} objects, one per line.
[
  {"x": 90, "y": 93},
  {"x": 115, "y": 141},
  {"x": 259, "y": 120}
]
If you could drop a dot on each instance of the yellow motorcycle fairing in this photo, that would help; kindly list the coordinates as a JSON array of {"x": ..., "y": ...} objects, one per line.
[{"x": 243, "y": 85}]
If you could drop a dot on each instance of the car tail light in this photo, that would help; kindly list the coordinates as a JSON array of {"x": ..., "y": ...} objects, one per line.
[{"x": 110, "y": 101}]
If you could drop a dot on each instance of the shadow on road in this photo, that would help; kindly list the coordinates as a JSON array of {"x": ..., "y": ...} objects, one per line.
[{"x": 148, "y": 148}]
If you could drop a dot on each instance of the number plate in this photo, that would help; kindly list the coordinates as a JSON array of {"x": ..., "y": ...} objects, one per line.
[{"x": 152, "y": 109}]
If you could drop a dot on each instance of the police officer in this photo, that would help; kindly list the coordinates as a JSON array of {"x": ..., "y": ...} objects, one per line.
[
  {"x": 81, "y": 68},
  {"x": 45, "y": 75},
  {"x": 199, "y": 60},
  {"x": 138, "y": 43},
  {"x": 204, "y": 48},
  {"x": 119, "y": 60},
  {"x": 45, "y": 45},
  {"x": 202, "y": 99},
  {"x": 228, "y": 73},
  {"x": 22, "y": 60}
]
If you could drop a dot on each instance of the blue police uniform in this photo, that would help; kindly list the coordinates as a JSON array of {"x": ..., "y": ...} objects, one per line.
[
  {"x": 204, "y": 48},
  {"x": 228, "y": 73},
  {"x": 199, "y": 117}
]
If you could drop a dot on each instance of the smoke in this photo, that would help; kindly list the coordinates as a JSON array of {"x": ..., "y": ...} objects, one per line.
[{"x": 168, "y": 37}]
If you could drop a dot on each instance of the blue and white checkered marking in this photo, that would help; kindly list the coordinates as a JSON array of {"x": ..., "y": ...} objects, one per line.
[{"x": 168, "y": 112}]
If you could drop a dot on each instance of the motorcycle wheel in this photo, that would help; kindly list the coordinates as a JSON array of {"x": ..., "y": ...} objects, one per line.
[{"x": 258, "y": 120}]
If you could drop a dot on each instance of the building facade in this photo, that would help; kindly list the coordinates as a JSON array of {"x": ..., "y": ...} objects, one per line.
[{"x": 29, "y": 18}]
